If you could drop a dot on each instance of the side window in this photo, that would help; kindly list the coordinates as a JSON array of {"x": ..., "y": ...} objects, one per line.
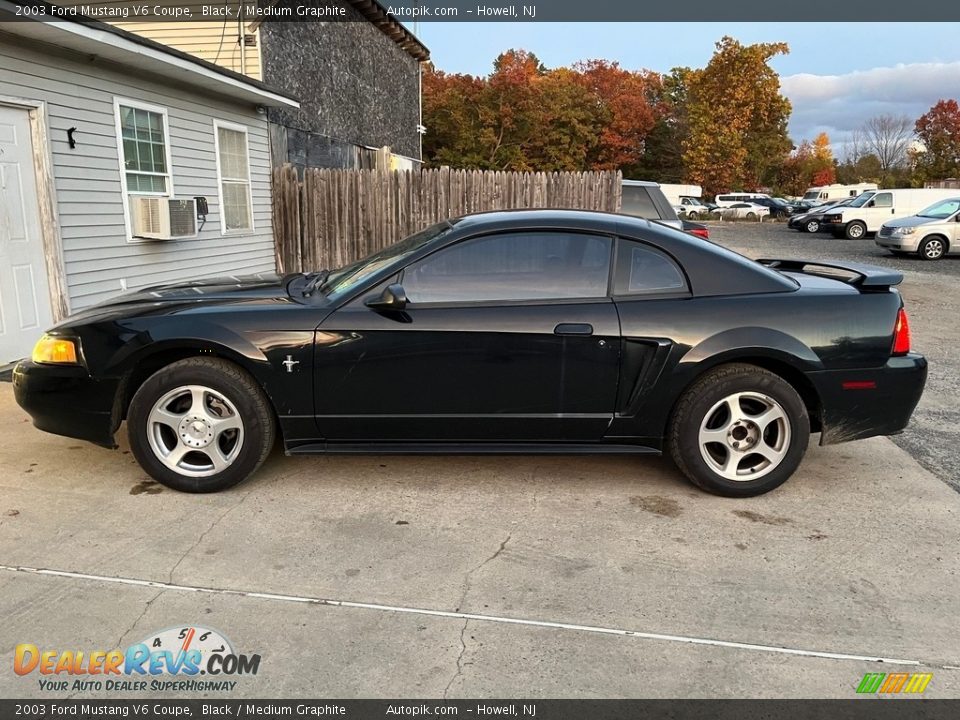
[
  {"x": 636, "y": 201},
  {"x": 513, "y": 266},
  {"x": 642, "y": 269},
  {"x": 884, "y": 200}
]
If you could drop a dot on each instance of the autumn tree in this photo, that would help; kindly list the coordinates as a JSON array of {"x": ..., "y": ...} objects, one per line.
[
  {"x": 523, "y": 116},
  {"x": 623, "y": 99},
  {"x": 824, "y": 169},
  {"x": 457, "y": 131},
  {"x": 939, "y": 131},
  {"x": 569, "y": 127},
  {"x": 737, "y": 118}
]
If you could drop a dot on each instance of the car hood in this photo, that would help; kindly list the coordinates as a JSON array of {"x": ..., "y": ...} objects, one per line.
[
  {"x": 914, "y": 221},
  {"x": 217, "y": 290}
]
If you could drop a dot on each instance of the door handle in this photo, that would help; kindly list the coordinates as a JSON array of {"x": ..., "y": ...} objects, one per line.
[{"x": 573, "y": 329}]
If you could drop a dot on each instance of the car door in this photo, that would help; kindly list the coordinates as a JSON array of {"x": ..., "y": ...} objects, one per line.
[
  {"x": 505, "y": 337},
  {"x": 879, "y": 209}
]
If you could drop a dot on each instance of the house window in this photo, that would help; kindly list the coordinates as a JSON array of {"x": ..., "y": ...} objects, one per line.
[
  {"x": 233, "y": 171},
  {"x": 146, "y": 160}
]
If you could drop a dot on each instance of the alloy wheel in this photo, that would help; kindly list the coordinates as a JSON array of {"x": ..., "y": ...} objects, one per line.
[
  {"x": 744, "y": 436},
  {"x": 195, "y": 431}
]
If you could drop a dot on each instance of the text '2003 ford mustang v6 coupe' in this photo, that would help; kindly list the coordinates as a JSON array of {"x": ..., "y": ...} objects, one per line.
[{"x": 515, "y": 332}]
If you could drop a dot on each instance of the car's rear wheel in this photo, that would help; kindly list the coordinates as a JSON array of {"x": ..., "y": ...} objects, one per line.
[
  {"x": 200, "y": 425},
  {"x": 693, "y": 215},
  {"x": 856, "y": 230},
  {"x": 932, "y": 248},
  {"x": 739, "y": 431},
  {"x": 812, "y": 226}
]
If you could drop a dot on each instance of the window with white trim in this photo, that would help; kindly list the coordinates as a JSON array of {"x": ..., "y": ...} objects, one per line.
[
  {"x": 233, "y": 172},
  {"x": 143, "y": 134}
]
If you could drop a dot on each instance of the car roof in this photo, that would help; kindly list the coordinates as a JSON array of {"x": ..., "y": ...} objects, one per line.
[{"x": 712, "y": 269}]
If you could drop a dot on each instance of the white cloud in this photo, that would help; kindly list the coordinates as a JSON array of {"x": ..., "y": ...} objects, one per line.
[{"x": 838, "y": 104}]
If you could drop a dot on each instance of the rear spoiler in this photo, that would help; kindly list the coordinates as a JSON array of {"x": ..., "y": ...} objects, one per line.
[{"x": 869, "y": 277}]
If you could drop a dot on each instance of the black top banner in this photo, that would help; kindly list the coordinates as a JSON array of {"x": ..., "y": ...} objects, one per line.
[
  {"x": 532, "y": 11},
  {"x": 864, "y": 709}
]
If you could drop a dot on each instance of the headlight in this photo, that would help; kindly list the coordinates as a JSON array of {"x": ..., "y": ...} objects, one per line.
[
  {"x": 904, "y": 231},
  {"x": 51, "y": 349}
]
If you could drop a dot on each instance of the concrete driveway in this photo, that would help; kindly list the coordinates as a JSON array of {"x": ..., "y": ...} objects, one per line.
[{"x": 489, "y": 577}]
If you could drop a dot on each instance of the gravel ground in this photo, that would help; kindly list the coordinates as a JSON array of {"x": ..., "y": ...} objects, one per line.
[{"x": 930, "y": 292}]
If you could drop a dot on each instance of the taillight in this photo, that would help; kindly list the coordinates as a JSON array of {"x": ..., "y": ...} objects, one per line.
[
  {"x": 901, "y": 334},
  {"x": 700, "y": 232}
]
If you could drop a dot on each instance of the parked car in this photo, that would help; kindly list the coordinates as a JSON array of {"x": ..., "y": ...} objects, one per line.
[
  {"x": 728, "y": 199},
  {"x": 871, "y": 209},
  {"x": 744, "y": 211},
  {"x": 692, "y": 208},
  {"x": 538, "y": 331},
  {"x": 778, "y": 208},
  {"x": 810, "y": 221},
  {"x": 821, "y": 194},
  {"x": 643, "y": 199},
  {"x": 698, "y": 229},
  {"x": 931, "y": 233}
]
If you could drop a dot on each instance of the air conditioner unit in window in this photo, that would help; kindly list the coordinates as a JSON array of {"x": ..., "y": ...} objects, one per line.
[{"x": 163, "y": 218}]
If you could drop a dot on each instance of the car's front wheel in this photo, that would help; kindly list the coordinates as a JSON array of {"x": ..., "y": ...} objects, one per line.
[
  {"x": 856, "y": 230},
  {"x": 932, "y": 248},
  {"x": 812, "y": 226},
  {"x": 200, "y": 425},
  {"x": 739, "y": 431}
]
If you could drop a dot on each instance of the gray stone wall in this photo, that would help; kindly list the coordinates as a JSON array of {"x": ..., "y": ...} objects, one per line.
[{"x": 354, "y": 83}]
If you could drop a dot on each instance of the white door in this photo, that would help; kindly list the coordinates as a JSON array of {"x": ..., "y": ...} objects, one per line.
[
  {"x": 879, "y": 210},
  {"x": 24, "y": 290}
]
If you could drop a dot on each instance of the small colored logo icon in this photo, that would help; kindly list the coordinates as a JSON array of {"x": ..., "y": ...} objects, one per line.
[{"x": 894, "y": 683}]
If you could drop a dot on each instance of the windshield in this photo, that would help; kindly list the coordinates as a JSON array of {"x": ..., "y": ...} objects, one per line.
[
  {"x": 343, "y": 281},
  {"x": 812, "y": 195},
  {"x": 862, "y": 199},
  {"x": 941, "y": 210}
]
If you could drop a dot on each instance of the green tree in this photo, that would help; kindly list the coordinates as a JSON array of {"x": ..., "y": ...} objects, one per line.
[
  {"x": 662, "y": 158},
  {"x": 737, "y": 118}
]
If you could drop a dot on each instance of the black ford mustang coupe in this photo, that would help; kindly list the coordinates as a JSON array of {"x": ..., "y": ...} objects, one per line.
[{"x": 546, "y": 331}]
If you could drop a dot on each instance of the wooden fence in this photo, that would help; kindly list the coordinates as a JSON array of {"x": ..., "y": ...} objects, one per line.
[{"x": 333, "y": 217}]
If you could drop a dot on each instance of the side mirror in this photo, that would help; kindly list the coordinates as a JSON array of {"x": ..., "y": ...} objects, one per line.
[
  {"x": 871, "y": 203},
  {"x": 393, "y": 297}
]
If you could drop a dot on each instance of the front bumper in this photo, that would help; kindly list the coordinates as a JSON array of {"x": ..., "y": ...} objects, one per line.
[
  {"x": 66, "y": 400},
  {"x": 905, "y": 243},
  {"x": 857, "y": 404}
]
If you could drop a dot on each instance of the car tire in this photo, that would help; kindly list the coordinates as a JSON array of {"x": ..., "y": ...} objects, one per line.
[
  {"x": 751, "y": 216},
  {"x": 856, "y": 230},
  {"x": 704, "y": 426},
  {"x": 693, "y": 215},
  {"x": 200, "y": 425},
  {"x": 932, "y": 248},
  {"x": 811, "y": 226}
]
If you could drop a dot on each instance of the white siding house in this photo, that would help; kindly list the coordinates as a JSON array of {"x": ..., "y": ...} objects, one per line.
[{"x": 91, "y": 119}]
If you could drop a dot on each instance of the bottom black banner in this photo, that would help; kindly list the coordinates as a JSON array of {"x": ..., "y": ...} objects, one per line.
[{"x": 860, "y": 709}]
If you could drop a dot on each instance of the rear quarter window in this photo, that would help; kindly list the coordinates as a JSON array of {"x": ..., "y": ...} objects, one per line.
[
  {"x": 644, "y": 270},
  {"x": 636, "y": 201}
]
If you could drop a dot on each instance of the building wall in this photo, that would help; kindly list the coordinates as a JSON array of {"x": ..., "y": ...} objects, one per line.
[
  {"x": 99, "y": 257},
  {"x": 354, "y": 83},
  {"x": 214, "y": 40}
]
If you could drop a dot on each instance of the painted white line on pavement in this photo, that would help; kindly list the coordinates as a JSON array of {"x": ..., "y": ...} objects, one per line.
[{"x": 470, "y": 616}]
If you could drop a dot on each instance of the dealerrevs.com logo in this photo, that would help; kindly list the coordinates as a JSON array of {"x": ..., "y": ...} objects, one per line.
[{"x": 185, "y": 658}]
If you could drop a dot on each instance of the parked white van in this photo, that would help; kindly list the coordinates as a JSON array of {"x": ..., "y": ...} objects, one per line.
[
  {"x": 873, "y": 208},
  {"x": 728, "y": 199},
  {"x": 821, "y": 194}
]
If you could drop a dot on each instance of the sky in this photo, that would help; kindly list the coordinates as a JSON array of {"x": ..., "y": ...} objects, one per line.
[{"x": 836, "y": 76}]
